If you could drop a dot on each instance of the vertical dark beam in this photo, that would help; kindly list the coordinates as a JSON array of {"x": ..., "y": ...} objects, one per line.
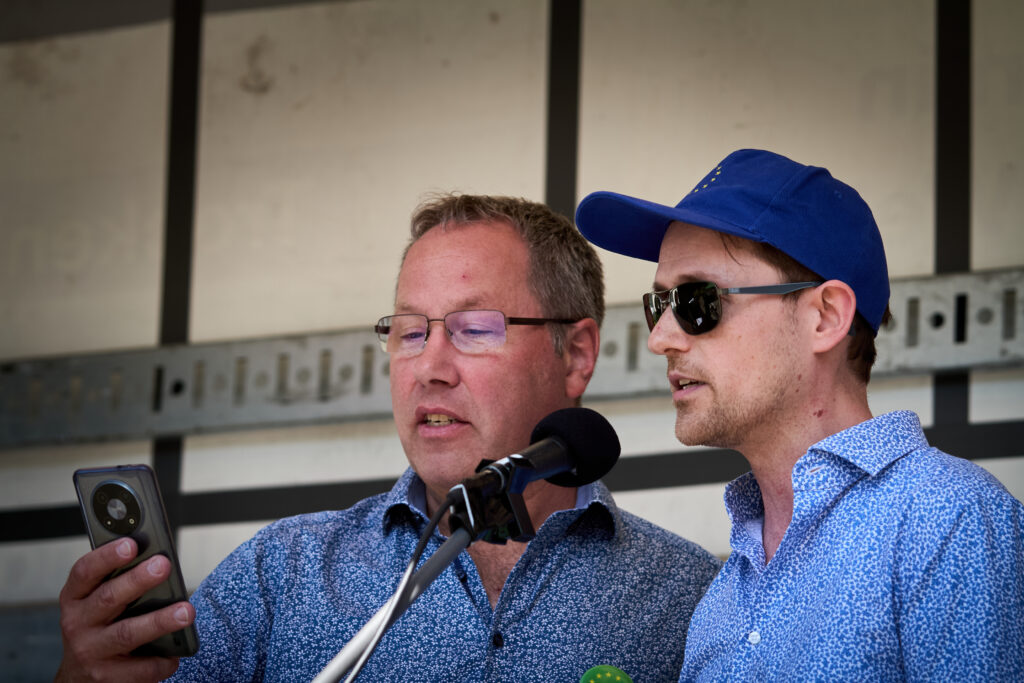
[
  {"x": 953, "y": 137},
  {"x": 179, "y": 213},
  {"x": 952, "y": 178},
  {"x": 563, "y": 105}
]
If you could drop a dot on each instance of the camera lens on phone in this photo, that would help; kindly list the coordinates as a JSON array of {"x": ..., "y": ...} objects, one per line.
[{"x": 117, "y": 508}]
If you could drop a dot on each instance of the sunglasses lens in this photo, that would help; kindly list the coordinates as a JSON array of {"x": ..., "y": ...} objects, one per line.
[
  {"x": 697, "y": 306},
  {"x": 653, "y": 308}
]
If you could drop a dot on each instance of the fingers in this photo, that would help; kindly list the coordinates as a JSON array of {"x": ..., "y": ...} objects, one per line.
[
  {"x": 103, "y": 601},
  {"x": 91, "y": 568},
  {"x": 95, "y": 646},
  {"x": 102, "y": 651},
  {"x": 120, "y": 638},
  {"x": 111, "y": 597},
  {"x": 126, "y": 635}
]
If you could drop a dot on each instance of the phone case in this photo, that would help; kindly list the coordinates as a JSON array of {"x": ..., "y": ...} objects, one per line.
[{"x": 125, "y": 501}]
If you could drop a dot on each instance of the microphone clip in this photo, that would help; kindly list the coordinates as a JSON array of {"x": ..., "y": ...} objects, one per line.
[{"x": 491, "y": 507}]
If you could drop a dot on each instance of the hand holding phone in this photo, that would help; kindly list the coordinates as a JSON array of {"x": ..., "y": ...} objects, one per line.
[
  {"x": 97, "y": 646},
  {"x": 133, "y": 568}
]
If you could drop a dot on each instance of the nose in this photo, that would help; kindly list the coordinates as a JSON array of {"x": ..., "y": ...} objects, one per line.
[
  {"x": 668, "y": 336},
  {"x": 436, "y": 362}
]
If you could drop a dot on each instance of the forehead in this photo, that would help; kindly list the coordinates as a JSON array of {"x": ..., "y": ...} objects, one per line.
[
  {"x": 477, "y": 265},
  {"x": 689, "y": 253}
]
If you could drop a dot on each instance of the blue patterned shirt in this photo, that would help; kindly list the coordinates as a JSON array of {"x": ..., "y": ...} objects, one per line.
[
  {"x": 900, "y": 563},
  {"x": 596, "y": 586}
]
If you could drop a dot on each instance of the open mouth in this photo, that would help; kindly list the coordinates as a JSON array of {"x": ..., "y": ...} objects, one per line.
[{"x": 438, "y": 420}]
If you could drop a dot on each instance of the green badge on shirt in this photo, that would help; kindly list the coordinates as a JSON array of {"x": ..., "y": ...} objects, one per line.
[{"x": 603, "y": 673}]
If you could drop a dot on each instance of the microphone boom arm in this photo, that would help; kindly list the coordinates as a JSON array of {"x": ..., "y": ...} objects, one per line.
[{"x": 424, "y": 576}]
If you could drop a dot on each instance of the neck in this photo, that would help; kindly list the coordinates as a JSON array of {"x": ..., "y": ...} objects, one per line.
[
  {"x": 494, "y": 562},
  {"x": 773, "y": 453}
]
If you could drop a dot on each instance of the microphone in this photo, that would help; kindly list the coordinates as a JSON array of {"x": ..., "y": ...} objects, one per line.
[{"x": 570, "y": 447}]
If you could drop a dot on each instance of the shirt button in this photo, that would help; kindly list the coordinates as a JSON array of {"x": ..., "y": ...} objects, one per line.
[
  {"x": 753, "y": 637},
  {"x": 497, "y": 640}
]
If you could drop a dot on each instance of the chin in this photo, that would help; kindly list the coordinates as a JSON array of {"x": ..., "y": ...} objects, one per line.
[{"x": 690, "y": 434}]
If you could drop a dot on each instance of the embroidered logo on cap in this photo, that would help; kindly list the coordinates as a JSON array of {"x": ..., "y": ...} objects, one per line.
[{"x": 711, "y": 177}]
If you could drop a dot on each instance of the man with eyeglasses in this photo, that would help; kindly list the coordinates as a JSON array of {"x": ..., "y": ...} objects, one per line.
[
  {"x": 859, "y": 551},
  {"x": 496, "y": 325}
]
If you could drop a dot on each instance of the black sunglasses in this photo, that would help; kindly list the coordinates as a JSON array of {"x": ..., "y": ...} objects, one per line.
[{"x": 698, "y": 305}]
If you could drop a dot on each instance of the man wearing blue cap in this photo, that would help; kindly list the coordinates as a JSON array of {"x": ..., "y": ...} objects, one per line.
[{"x": 859, "y": 551}]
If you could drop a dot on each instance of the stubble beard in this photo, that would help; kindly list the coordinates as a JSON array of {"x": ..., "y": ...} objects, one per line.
[{"x": 724, "y": 422}]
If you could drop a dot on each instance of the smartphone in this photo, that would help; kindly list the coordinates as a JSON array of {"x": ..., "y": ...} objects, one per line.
[{"x": 125, "y": 501}]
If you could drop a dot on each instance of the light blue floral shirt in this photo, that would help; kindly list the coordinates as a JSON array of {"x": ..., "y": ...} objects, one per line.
[
  {"x": 596, "y": 586},
  {"x": 901, "y": 563}
]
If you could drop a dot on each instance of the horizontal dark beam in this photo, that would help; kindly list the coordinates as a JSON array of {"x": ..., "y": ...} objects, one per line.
[
  {"x": 37, "y": 19},
  {"x": 664, "y": 470},
  {"x": 636, "y": 473},
  {"x": 246, "y": 505},
  {"x": 40, "y": 523}
]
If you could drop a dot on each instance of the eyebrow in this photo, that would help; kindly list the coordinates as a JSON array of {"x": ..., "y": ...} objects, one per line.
[{"x": 462, "y": 305}]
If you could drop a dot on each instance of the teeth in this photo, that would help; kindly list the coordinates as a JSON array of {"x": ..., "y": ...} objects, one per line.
[{"x": 438, "y": 420}]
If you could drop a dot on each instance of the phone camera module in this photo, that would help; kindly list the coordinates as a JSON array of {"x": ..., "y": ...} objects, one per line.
[{"x": 116, "y": 507}]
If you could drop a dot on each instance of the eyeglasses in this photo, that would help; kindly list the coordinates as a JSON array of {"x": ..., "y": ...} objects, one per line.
[
  {"x": 698, "y": 305},
  {"x": 470, "y": 331}
]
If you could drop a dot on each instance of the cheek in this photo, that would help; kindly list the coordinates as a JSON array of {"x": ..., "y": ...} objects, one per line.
[{"x": 402, "y": 372}]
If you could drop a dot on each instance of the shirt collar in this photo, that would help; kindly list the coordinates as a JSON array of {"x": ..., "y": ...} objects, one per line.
[
  {"x": 407, "y": 501},
  {"x": 875, "y": 444},
  {"x": 870, "y": 446}
]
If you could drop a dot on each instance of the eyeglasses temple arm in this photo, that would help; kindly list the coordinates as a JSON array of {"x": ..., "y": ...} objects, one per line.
[{"x": 784, "y": 288}]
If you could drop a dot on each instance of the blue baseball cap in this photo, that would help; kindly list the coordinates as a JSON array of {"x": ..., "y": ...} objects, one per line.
[{"x": 800, "y": 210}]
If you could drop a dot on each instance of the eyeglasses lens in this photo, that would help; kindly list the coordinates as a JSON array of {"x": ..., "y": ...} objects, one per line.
[
  {"x": 398, "y": 334},
  {"x": 469, "y": 331},
  {"x": 476, "y": 331}
]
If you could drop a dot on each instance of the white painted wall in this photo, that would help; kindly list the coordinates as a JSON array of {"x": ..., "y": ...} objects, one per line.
[{"x": 322, "y": 125}]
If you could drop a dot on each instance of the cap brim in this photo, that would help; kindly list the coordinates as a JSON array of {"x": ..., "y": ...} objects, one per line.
[{"x": 635, "y": 227}]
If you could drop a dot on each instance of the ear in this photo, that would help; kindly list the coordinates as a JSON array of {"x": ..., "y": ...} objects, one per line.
[
  {"x": 834, "y": 306},
  {"x": 582, "y": 342}
]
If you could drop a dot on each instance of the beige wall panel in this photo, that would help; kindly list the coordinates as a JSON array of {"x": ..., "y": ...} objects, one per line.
[
  {"x": 322, "y": 127},
  {"x": 669, "y": 88},
  {"x": 886, "y": 394},
  {"x": 40, "y": 477},
  {"x": 293, "y": 456},
  {"x": 1009, "y": 471},
  {"x": 81, "y": 190},
  {"x": 997, "y": 202},
  {"x": 694, "y": 512},
  {"x": 997, "y": 165},
  {"x": 997, "y": 396},
  {"x": 34, "y": 571},
  {"x": 645, "y": 425}
]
